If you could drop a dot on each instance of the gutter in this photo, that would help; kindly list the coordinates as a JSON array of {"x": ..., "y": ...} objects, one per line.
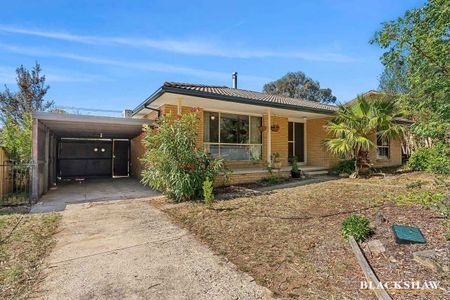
[
  {"x": 242, "y": 100},
  {"x": 147, "y": 101}
]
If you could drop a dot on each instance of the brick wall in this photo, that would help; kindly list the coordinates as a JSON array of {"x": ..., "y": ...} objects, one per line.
[
  {"x": 279, "y": 139},
  {"x": 395, "y": 154},
  {"x": 318, "y": 155},
  {"x": 246, "y": 177},
  {"x": 137, "y": 150},
  {"x": 316, "y": 152}
]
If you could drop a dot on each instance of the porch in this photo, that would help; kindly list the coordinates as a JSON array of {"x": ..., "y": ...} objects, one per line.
[{"x": 252, "y": 174}]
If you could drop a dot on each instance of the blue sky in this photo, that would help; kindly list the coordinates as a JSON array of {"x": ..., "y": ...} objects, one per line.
[{"x": 113, "y": 54}]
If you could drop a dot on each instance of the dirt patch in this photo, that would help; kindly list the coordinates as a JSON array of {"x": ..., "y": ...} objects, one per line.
[
  {"x": 290, "y": 241},
  {"x": 25, "y": 240}
]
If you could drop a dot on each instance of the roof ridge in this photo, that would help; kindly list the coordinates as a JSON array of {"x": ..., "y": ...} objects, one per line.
[
  {"x": 187, "y": 85},
  {"x": 287, "y": 97}
]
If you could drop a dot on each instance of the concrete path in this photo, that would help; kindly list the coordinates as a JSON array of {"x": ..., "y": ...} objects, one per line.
[
  {"x": 90, "y": 190},
  {"x": 128, "y": 249}
]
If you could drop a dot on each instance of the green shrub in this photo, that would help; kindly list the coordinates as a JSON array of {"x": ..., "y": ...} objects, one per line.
[
  {"x": 345, "y": 166},
  {"x": 426, "y": 199},
  {"x": 356, "y": 226},
  {"x": 435, "y": 159},
  {"x": 415, "y": 184},
  {"x": 173, "y": 164},
  {"x": 273, "y": 179},
  {"x": 208, "y": 194},
  {"x": 294, "y": 164},
  {"x": 17, "y": 138}
]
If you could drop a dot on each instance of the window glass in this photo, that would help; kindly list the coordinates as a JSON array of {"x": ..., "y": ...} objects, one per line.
[
  {"x": 211, "y": 130},
  {"x": 213, "y": 149},
  {"x": 382, "y": 147},
  {"x": 234, "y": 129},
  {"x": 255, "y": 132},
  {"x": 233, "y": 137},
  {"x": 290, "y": 131}
]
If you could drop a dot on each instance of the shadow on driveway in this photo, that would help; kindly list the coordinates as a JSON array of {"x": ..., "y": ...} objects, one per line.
[{"x": 91, "y": 190}]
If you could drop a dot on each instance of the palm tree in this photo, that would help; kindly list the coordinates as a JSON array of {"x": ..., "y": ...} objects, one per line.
[{"x": 355, "y": 125}]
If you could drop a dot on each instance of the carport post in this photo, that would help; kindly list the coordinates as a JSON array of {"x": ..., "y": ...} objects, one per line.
[{"x": 35, "y": 164}]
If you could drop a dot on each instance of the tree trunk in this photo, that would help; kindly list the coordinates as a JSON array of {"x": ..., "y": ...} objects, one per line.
[{"x": 361, "y": 164}]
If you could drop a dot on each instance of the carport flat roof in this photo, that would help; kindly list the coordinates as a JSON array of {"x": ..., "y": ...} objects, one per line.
[{"x": 82, "y": 126}]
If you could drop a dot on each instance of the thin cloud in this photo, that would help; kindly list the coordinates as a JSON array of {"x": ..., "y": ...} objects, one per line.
[
  {"x": 191, "y": 47},
  {"x": 153, "y": 67},
  {"x": 8, "y": 76}
]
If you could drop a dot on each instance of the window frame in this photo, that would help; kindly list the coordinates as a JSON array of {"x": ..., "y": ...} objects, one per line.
[
  {"x": 219, "y": 143},
  {"x": 383, "y": 143}
]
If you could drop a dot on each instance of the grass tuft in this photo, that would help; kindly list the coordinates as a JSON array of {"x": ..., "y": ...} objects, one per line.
[{"x": 25, "y": 240}]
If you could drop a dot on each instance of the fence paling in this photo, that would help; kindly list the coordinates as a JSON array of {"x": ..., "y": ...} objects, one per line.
[{"x": 15, "y": 183}]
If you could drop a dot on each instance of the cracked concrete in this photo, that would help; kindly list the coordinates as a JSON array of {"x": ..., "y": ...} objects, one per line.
[{"x": 129, "y": 249}]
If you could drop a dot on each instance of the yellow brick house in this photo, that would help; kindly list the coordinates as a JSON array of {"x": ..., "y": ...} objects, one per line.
[{"x": 246, "y": 127}]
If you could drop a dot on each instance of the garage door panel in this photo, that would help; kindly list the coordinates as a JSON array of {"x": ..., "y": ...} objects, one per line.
[
  {"x": 85, "y": 149},
  {"x": 81, "y": 158},
  {"x": 85, "y": 168}
]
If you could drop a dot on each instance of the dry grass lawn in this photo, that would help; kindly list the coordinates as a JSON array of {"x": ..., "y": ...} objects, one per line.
[
  {"x": 24, "y": 242},
  {"x": 289, "y": 240}
]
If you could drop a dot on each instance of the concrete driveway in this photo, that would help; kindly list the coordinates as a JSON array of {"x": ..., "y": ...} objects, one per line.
[
  {"x": 90, "y": 190},
  {"x": 128, "y": 249}
]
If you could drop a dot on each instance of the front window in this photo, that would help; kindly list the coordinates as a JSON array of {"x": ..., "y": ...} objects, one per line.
[
  {"x": 382, "y": 147},
  {"x": 233, "y": 137}
]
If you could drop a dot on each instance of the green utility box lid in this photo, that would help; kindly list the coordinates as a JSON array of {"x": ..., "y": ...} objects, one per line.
[{"x": 407, "y": 234}]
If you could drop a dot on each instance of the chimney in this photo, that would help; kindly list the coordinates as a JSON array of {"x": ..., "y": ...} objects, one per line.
[
  {"x": 234, "y": 77},
  {"x": 127, "y": 113}
]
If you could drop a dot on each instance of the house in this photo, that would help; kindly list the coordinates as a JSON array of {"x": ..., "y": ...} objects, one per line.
[
  {"x": 246, "y": 127},
  {"x": 243, "y": 127}
]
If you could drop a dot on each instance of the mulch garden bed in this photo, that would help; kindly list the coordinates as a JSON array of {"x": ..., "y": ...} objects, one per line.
[
  {"x": 289, "y": 240},
  {"x": 397, "y": 263}
]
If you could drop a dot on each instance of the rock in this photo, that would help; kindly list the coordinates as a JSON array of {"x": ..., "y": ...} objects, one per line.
[
  {"x": 376, "y": 247},
  {"x": 379, "y": 218},
  {"x": 392, "y": 265},
  {"x": 428, "y": 258},
  {"x": 344, "y": 175}
]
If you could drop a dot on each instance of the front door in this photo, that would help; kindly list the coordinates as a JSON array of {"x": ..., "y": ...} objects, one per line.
[
  {"x": 296, "y": 141},
  {"x": 121, "y": 158}
]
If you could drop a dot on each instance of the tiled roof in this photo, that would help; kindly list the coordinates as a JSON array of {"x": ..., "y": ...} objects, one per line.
[
  {"x": 253, "y": 96},
  {"x": 369, "y": 93}
]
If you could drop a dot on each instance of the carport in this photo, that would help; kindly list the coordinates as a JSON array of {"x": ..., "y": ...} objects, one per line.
[{"x": 68, "y": 146}]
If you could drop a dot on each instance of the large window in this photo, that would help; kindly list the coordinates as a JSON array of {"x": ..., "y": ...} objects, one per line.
[
  {"x": 233, "y": 137},
  {"x": 382, "y": 148}
]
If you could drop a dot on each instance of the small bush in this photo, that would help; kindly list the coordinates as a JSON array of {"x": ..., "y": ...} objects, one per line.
[
  {"x": 208, "y": 194},
  {"x": 356, "y": 226},
  {"x": 294, "y": 164},
  {"x": 345, "y": 166},
  {"x": 273, "y": 179},
  {"x": 415, "y": 184},
  {"x": 173, "y": 163},
  {"x": 435, "y": 159}
]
